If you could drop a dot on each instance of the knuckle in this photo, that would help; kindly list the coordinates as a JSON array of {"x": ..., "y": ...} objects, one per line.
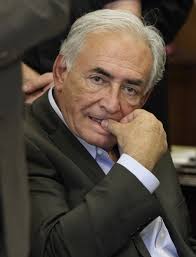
[{"x": 150, "y": 117}]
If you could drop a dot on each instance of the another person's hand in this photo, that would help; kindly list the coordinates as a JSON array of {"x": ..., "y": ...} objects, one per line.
[
  {"x": 134, "y": 6},
  {"x": 34, "y": 84},
  {"x": 140, "y": 135}
]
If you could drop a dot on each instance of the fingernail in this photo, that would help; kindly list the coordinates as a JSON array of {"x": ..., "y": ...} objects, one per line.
[{"x": 104, "y": 123}]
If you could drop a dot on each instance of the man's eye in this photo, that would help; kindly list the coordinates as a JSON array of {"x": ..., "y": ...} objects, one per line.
[
  {"x": 130, "y": 91},
  {"x": 97, "y": 80}
]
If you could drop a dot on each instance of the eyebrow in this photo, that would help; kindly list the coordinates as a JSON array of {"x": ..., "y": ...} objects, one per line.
[
  {"x": 137, "y": 82},
  {"x": 103, "y": 72}
]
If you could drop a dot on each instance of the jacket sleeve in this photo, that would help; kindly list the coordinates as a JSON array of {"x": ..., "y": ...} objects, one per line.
[
  {"x": 167, "y": 15},
  {"x": 102, "y": 219}
]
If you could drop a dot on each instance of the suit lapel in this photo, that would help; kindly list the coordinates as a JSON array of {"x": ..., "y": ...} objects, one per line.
[
  {"x": 73, "y": 149},
  {"x": 140, "y": 246}
]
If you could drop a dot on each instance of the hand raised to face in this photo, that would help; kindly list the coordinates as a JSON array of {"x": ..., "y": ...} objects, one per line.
[{"x": 140, "y": 135}]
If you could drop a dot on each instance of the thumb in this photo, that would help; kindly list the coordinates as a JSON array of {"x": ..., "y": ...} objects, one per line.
[{"x": 112, "y": 126}]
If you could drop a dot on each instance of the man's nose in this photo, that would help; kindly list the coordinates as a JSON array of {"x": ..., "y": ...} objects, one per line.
[{"x": 111, "y": 100}]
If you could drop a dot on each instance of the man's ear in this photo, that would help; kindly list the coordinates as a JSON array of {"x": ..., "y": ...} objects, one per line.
[
  {"x": 59, "y": 72},
  {"x": 145, "y": 97}
]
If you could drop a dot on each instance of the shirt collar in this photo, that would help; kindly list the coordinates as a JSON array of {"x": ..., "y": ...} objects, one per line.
[{"x": 54, "y": 105}]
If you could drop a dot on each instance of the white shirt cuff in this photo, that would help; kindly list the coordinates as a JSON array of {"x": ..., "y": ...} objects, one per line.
[{"x": 144, "y": 175}]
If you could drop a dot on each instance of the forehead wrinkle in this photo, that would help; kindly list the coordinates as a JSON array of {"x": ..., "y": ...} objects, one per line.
[
  {"x": 127, "y": 71},
  {"x": 94, "y": 53}
]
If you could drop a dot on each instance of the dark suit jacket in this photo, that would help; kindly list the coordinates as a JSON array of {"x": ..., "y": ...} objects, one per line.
[
  {"x": 26, "y": 23},
  {"x": 14, "y": 205},
  {"x": 79, "y": 211}
]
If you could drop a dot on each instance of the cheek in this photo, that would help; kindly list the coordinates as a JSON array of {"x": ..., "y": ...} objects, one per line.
[
  {"x": 79, "y": 104},
  {"x": 72, "y": 93},
  {"x": 127, "y": 108},
  {"x": 77, "y": 90}
]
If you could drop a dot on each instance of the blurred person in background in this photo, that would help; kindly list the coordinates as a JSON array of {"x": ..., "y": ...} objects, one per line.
[{"x": 23, "y": 24}]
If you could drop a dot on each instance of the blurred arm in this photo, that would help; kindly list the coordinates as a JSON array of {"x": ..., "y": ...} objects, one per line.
[
  {"x": 128, "y": 5},
  {"x": 25, "y": 23}
]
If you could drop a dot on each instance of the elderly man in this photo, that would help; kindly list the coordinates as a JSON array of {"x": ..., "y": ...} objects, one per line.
[{"x": 102, "y": 183}]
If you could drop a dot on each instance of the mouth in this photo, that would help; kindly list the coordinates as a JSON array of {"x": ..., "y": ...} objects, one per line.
[
  {"x": 98, "y": 127},
  {"x": 96, "y": 119}
]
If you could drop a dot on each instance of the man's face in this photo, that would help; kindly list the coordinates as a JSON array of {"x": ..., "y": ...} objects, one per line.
[{"x": 107, "y": 81}]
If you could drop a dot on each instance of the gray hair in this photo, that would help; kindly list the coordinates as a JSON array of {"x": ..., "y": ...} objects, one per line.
[{"x": 113, "y": 20}]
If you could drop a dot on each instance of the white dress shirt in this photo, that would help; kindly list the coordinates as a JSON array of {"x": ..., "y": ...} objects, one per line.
[{"x": 155, "y": 236}]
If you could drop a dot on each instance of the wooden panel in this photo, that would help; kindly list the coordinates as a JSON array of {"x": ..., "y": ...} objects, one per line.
[
  {"x": 182, "y": 86},
  {"x": 182, "y": 105},
  {"x": 185, "y": 42}
]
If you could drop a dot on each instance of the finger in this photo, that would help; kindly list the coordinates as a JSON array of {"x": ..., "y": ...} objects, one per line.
[
  {"x": 38, "y": 83},
  {"x": 112, "y": 126},
  {"x": 29, "y": 99},
  {"x": 26, "y": 87},
  {"x": 31, "y": 87},
  {"x": 44, "y": 89},
  {"x": 45, "y": 79},
  {"x": 131, "y": 116}
]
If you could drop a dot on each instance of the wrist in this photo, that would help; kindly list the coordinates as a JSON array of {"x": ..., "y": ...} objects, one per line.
[{"x": 145, "y": 160}]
